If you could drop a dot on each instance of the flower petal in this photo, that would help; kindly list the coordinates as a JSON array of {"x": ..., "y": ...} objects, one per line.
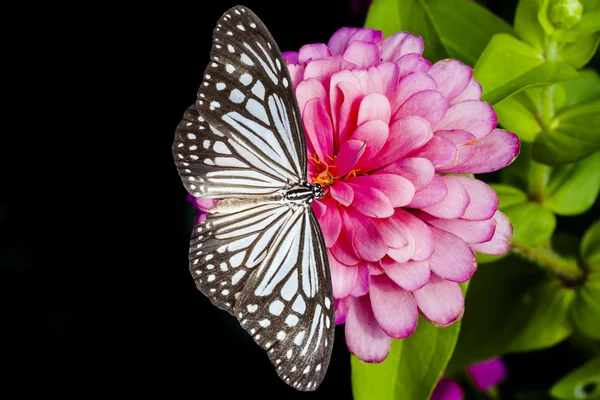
[
  {"x": 373, "y": 134},
  {"x": 330, "y": 222},
  {"x": 323, "y": 69},
  {"x": 374, "y": 106},
  {"x": 441, "y": 301},
  {"x": 364, "y": 337},
  {"x": 317, "y": 126},
  {"x": 467, "y": 230},
  {"x": 484, "y": 200},
  {"x": 367, "y": 240},
  {"x": 393, "y": 233},
  {"x": 343, "y": 250},
  {"x": 494, "y": 152},
  {"x": 349, "y": 153},
  {"x": 394, "y": 308},
  {"x": 400, "y": 44},
  {"x": 344, "y": 97},
  {"x": 473, "y": 116},
  {"x": 411, "y": 276},
  {"x": 342, "y": 193},
  {"x": 418, "y": 171},
  {"x": 361, "y": 287},
  {"x": 454, "y": 204},
  {"x": 307, "y": 90},
  {"x": 412, "y": 63},
  {"x": 343, "y": 277},
  {"x": 471, "y": 92},
  {"x": 405, "y": 253},
  {"x": 438, "y": 150},
  {"x": 338, "y": 41},
  {"x": 362, "y": 54},
  {"x": 296, "y": 73},
  {"x": 432, "y": 194},
  {"x": 452, "y": 77},
  {"x": 452, "y": 259},
  {"x": 396, "y": 188},
  {"x": 314, "y": 51},
  {"x": 290, "y": 57},
  {"x": 500, "y": 242},
  {"x": 410, "y": 85},
  {"x": 406, "y": 134},
  {"x": 429, "y": 104},
  {"x": 342, "y": 306},
  {"x": 424, "y": 241},
  {"x": 466, "y": 146},
  {"x": 370, "y": 201},
  {"x": 319, "y": 208}
]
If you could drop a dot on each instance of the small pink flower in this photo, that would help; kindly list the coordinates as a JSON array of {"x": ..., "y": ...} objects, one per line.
[
  {"x": 487, "y": 374},
  {"x": 447, "y": 389},
  {"x": 386, "y": 131}
]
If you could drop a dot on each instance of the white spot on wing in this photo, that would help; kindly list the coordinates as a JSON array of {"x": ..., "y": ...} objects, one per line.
[
  {"x": 236, "y": 96},
  {"x": 276, "y": 307}
]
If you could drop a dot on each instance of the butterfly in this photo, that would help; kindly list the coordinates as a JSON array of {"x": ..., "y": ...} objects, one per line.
[{"x": 260, "y": 253}]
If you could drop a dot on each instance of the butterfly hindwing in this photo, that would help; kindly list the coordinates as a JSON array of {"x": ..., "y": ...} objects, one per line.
[
  {"x": 226, "y": 248},
  {"x": 287, "y": 303}
]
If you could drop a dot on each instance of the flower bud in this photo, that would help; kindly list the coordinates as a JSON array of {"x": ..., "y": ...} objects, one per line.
[{"x": 565, "y": 13}]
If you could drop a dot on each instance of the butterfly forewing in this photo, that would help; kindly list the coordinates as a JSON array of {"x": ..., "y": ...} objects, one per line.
[
  {"x": 210, "y": 167},
  {"x": 287, "y": 303},
  {"x": 265, "y": 261},
  {"x": 247, "y": 101}
]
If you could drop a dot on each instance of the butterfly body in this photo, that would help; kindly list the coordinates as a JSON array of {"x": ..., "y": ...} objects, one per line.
[{"x": 260, "y": 254}]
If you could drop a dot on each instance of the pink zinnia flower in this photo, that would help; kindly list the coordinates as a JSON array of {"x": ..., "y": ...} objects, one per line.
[{"x": 385, "y": 132}]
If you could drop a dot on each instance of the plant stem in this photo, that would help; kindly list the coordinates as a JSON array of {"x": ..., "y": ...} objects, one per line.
[
  {"x": 539, "y": 174},
  {"x": 565, "y": 270}
]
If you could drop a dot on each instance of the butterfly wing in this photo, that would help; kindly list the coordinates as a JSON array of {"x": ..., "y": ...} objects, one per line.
[
  {"x": 287, "y": 303},
  {"x": 245, "y": 135},
  {"x": 226, "y": 248},
  {"x": 266, "y": 264}
]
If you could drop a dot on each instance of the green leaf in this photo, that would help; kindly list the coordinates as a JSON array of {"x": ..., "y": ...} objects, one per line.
[
  {"x": 579, "y": 53},
  {"x": 527, "y": 24},
  {"x": 412, "y": 368},
  {"x": 391, "y": 16},
  {"x": 555, "y": 148},
  {"x": 575, "y": 135},
  {"x": 508, "y": 195},
  {"x": 582, "y": 383},
  {"x": 450, "y": 28},
  {"x": 586, "y": 307},
  {"x": 509, "y": 65},
  {"x": 511, "y": 307},
  {"x": 532, "y": 223},
  {"x": 584, "y": 89},
  {"x": 590, "y": 246},
  {"x": 517, "y": 114},
  {"x": 573, "y": 188}
]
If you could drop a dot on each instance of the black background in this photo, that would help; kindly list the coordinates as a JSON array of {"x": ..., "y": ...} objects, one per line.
[{"x": 96, "y": 293}]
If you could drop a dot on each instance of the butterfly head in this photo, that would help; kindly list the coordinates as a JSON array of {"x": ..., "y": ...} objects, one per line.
[{"x": 317, "y": 191}]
